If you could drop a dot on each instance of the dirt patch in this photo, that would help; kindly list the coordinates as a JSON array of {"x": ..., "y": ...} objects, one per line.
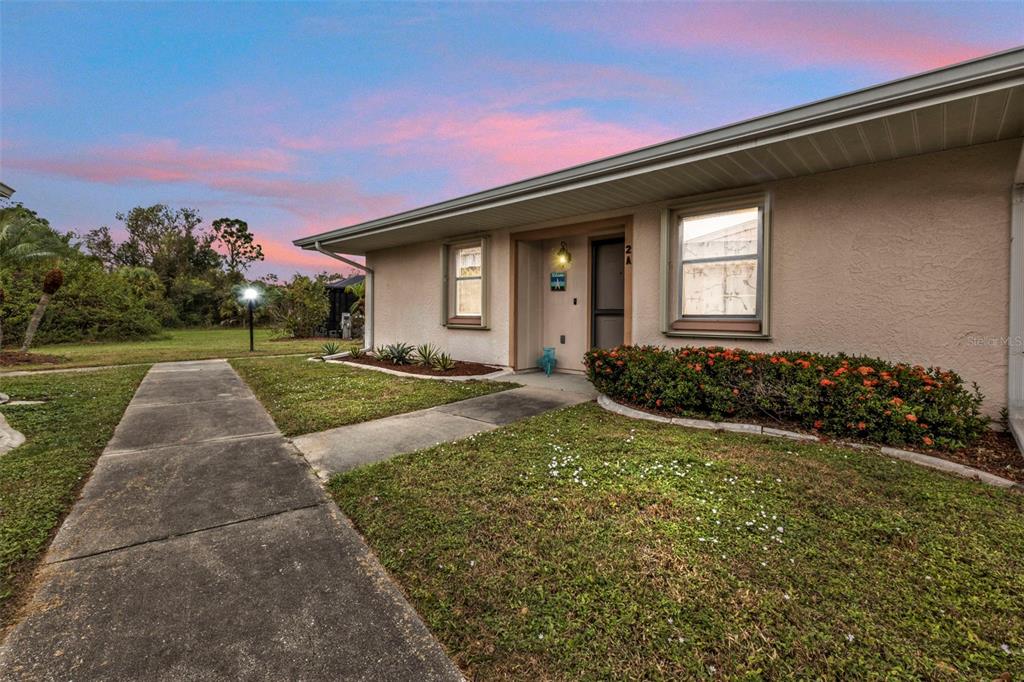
[
  {"x": 461, "y": 369},
  {"x": 14, "y": 358}
]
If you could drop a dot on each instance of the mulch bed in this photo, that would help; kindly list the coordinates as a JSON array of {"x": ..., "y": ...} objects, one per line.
[
  {"x": 995, "y": 452},
  {"x": 462, "y": 369},
  {"x": 13, "y": 358}
]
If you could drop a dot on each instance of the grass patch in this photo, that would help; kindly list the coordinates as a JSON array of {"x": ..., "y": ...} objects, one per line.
[
  {"x": 585, "y": 545},
  {"x": 304, "y": 396},
  {"x": 39, "y": 480},
  {"x": 175, "y": 344}
]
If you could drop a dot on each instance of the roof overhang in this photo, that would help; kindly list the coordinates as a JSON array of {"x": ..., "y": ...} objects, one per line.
[{"x": 972, "y": 103}]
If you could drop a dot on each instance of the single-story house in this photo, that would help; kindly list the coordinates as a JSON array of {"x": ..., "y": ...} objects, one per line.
[{"x": 887, "y": 222}]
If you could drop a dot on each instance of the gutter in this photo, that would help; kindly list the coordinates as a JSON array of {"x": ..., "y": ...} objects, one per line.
[
  {"x": 368, "y": 302},
  {"x": 1001, "y": 70},
  {"x": 1015, "y": 351}
]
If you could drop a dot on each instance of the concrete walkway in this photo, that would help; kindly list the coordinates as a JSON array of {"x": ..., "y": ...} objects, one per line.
[
  {"x": 350, "y": 446},
  {"x": 203, "y": 549}
]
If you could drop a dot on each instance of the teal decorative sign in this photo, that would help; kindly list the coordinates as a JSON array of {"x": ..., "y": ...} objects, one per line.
[{"x": 557, "y": 281}]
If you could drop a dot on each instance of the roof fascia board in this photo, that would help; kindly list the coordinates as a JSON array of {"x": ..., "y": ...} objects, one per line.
[{"x": 788, "y": 124}]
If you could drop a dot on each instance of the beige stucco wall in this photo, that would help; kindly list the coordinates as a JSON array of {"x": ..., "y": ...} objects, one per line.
[
  {"x": 408, "y": 301},
  {"x": 906, "y": 260}
]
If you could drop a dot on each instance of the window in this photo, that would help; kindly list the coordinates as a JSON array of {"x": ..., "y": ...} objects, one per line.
[
  {"x": 719, "y": 264},
  {"x": 468, "y": 281},
  {"x": 464, "y": 265}
]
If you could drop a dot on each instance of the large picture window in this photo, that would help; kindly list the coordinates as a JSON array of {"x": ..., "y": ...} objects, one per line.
[
  {"x": 465, "y": 265},
  {"x": 719, "y": 261}
]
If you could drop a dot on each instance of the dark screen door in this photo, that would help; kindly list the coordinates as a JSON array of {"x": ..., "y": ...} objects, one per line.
[{"x": 607, "y": 292}]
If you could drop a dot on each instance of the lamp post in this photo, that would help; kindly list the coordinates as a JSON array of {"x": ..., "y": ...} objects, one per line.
[{"x": 249, "y": 296}]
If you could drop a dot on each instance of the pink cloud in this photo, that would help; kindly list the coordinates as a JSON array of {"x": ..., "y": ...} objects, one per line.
[
  {"x": 482, "y": 147},
  {"x": 796, "y": 34},
  {"x": 278, "y": 253},
  {"x": 154, "y": 161}
]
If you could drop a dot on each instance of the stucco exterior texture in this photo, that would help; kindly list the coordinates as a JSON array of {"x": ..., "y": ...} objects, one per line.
[{"x": 906, "y": 260}]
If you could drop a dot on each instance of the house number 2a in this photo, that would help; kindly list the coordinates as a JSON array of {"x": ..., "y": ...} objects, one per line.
[{"x": 629, "y": 254}]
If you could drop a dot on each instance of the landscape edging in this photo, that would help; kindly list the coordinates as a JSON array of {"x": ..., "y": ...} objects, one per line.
[
  {"x": 756, "y": 429},
  {"x": 472, "y": 377}
]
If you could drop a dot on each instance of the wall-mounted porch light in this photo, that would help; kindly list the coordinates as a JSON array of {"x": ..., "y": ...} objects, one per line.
[{"x": 562, "y": 257}]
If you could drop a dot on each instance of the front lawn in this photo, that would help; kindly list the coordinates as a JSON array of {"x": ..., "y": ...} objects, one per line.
[
  {"x": 175, "y": 344},
  {"x": 304, "y": 396},
  {"x": 39, "y": 480},
  {"x": 585, "y": 545}
]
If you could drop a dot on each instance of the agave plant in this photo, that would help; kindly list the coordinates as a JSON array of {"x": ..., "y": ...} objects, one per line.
[
  {"x": 356, "y": 351},
  {"x": 400, "y": 354},
  {"x": 329, "y": 348},
  {"x": 383, "y": 353},
  {"x": 443, "y": 362},
  {"x": 425, "y": 354}
]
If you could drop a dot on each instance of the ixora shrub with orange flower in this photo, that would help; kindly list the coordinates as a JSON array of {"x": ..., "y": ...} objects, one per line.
[{"x": 838, "y": 395}]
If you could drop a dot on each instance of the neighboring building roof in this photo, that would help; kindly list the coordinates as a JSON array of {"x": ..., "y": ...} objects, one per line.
[
  {"x": 348, "y": 281},
  {"x": 6, "y": 191},
  {"x": 974, "y": 102}
]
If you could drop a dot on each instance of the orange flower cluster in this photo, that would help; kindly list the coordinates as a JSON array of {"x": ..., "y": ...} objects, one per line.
[{"x": 893, "y": 403}]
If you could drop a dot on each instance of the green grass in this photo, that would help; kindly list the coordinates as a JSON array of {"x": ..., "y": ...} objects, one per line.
[
  {"x": 175, "y": 344},
  {"x": 39, "y": 480},
  {"x": 658, "y": 552},
  {"x": 304, "y": 396}
]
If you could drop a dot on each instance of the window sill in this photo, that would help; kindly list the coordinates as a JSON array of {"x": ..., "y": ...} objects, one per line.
[
  {"x": 756, "y": 336},
  {"x": 465, "y": 324}
]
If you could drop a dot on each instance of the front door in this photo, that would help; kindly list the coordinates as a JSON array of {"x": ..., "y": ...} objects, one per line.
[{"x": 607, "y": 286}]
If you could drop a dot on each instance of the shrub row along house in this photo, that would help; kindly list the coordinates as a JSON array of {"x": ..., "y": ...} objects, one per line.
[{"x": 887, "y": 222}]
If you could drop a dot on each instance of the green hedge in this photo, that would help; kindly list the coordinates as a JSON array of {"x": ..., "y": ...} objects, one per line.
[
  {"x": 93, "y": 304},
  {"x": 838, "y": 395}
]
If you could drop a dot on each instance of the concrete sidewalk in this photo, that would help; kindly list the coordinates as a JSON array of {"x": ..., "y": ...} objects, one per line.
[
  {"x": 350, "y": 446},
  {"x": 203, "y": 549}
]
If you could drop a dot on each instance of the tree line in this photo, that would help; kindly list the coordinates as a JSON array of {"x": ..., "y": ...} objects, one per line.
[{"x": 168, "y": 271}]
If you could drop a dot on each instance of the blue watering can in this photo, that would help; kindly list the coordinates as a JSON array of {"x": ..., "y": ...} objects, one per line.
[{"x": 547, "y": 361}]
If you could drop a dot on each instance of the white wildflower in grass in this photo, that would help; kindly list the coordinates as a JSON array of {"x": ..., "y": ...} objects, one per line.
[
  {"x": 849, "y": 637},
  {"x": 1005, "y": 648}
]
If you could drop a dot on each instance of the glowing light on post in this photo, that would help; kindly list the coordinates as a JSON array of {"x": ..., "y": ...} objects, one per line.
[{"x": 250, "y": 295}]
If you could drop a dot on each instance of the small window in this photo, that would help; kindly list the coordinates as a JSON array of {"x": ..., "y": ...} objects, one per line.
[
  {"x": 468, "y": 281},
  {"x": 719, "y": 252},
  {"x": 465, "y": 281}
]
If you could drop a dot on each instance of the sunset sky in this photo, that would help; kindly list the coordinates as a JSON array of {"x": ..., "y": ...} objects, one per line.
[{"x": 303, "y": 117}]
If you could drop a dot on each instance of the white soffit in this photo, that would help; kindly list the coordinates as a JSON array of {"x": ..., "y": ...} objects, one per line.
[{"x": 977, "y": 113}]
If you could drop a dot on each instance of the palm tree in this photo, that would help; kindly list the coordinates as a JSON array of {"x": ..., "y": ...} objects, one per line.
[
  {"x": 51, "y": 282},
  {"x": 25, "y": 237},
  {"x": 359, "y": 291}
]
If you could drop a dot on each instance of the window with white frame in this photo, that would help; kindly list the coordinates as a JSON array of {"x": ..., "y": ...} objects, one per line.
[
  {"x": 465, "y": 266},
  {"x": 719, "y": 267}
]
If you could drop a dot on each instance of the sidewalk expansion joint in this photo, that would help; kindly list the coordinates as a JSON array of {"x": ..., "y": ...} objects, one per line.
[
  {"x": 174, "y": 536},
  {"x": 190, "y": 402},
  {"x": 234, "y": 399},
  {"x": 217, "y": 439}
]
